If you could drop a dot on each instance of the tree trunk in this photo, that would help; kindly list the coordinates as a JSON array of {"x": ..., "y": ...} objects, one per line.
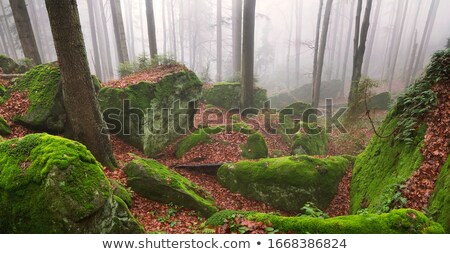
[
  {"x": 181, "y": 32},
  {"x": 341, "y": 38},
  {"x": 361, "y": 32},
  {"x": 106, "y": 46},
  {"x": 412, "y": 60},
  {"x": 174, "y": 32},
  {"x": 371, "y": 39},
  {"x": 248, "y": 54},
  {"x": 151, "y": 29},
  {"x": 298, "y": 40},
  {"x": 397, "y": 47},
  {"x": 321, "y": 54},
  {"x": 81, "y": 105},
  {"x": 316, "y": 45},
  {"x": 219, "y": 41},
  {"x": 332, "y": 41},
  {"x": 237, "y": 35},
  {"x": 163, "y": 15},
  {"x": 412, "y": 41},
  {"x": 393, "y": 41},
  {"x": 119, "y": 31},
  {"x": 37, "y": 28},
  {"x": 130, "y": 30},
  {"x": 5, "y": 24},
  {"x": 289, "y": 44},
  {"x": 25, "y": 30},
  {"x": 347, "y": 49},
  {"x": 95, "y": 46}
]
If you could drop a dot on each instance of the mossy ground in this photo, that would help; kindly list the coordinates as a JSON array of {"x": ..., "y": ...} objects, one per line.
[
  {"x": 439, "y": 206},
  {"x": 403, "y": 221},
  {"x": 286, "y": 183},
  {"x": 156, "y": 182}
]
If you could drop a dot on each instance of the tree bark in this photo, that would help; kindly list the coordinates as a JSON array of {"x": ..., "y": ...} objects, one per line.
[
  {"x": 321, "y": 54},
  {"x": 95, "y": 46},
  {"x": 237, "y": 35},
  {"x": 316, "y": 45},
  {"x": 174, "y": 32},
  {"x": 371, "y": 39},
  {"x": 25, "y": 30},
  {"x": 151, "y": 29},
  {"x": 248, "y": 53},
  {"x": 119, "y": 31},
  {"x": 298, "y": 40},
  {"x": 81, "y": 105},
  {"x": 361, "y": 32},
  {"x": 219, "y": 41},
  {"x": 104, "y": 39},
  {"x": 37, "y": 28}
]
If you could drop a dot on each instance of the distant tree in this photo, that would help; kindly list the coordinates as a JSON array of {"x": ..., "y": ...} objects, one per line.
[
  {"x": 448, "y": 43},
  {"x": 371, "y": 40},
  {"x": 248, "y": 54},
  {"x": 361, "y": 32},
  {"x": 5, "y": 28},
  {"x": 316, "y": 44},
  {"x": 321, "y": 54},
  {"x": 411, "y": 45},
  {"x": 181, "y": 30},
  {"x": 237, "y": 35},
  {"x": 173, "y": 29},
  {"x": 164, "y": 20},
  {"x": 298, "y": 39},
  {"x": 347, "y": 48},
  {"x": 83, "y": 114},
  {"x": 119, "y": 31},
  {"x": 105, "y": 50},
  {"x": 151, "y": 28},
  {"x": 95, "y": 45},
  {"x": 219, "y": 40},
  {"x": 25, "y": 30}
]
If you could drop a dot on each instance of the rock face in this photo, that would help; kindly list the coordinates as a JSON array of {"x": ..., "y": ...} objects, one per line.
[
  {"x": 286, "y": 183},
  {"x": 147, "y": 115},
  {"x": 156, "y": 182},
  {"x": 255, "y": 148},
  {"x": 402, "y": 221},
  {"x": 50, "y": 184},
  {"x": 227, "y": 95}
]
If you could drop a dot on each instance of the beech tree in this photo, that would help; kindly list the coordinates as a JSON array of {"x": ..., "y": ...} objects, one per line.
[
  {"x": 119, "y": 31},
  {"x": 237, "y": 35},
  {"x": 151, "y": 28},
  {"x": 84, "y": 118},
  {"x": 248, "y": 54}
]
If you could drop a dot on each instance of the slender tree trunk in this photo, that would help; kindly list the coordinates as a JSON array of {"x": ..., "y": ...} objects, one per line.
[
  {"x": 321, "y": 54},
  {"x": 289, "y": 45},
  {"x": 97, "y": 62},
  {"x": 174, "y": 32},
  {"x": 37, "y": 28},
  {"x": 397, "y": 47},
  {"x": 412, "y": 60},
  {"x": 219, "y": 40},
  {"x": 130, "y": 29},
  {"x": 347, "y": 49},
  {"x": 316, "y": 45},
  {"x": 332, "y": 41},
  {"x": 6, "y": 49},
  {"x": 237, "y": 35},
  {"x": 393, "y": 40},
  {"x": 371, "y": 39},
  {"x": 25, "y": 30},
  {"x": 119, "y": 31},
  {"x": 163, "y": 14},
  {"x": 412, "y": 41},
  {"x": 181, "y": 32},
  {"x": 10, "y": 40},
  {"x": 107, "y": 59},
  {"x": 341, "y": 38},
  {"x": 298, "y": 40},
  {"x": 151, "y": 29},
  {"x": 248, "y": 53},
  {"x": 361, "y": 32},
  {"x": 426, "y": 36},
  {"x": 81, "y": 105}
]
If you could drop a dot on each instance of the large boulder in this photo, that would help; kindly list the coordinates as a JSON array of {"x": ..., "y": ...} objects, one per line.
[
  {"x": 156, "y": 182},
  {"x": 147, "y": 115},
  {"x": 228, "y": 94},
  {"x": 255, "y": 147},
  {"x": 402, "y": 221},
  {"x": 286, "y": 183},
  {"x": 49, "y": 184}
]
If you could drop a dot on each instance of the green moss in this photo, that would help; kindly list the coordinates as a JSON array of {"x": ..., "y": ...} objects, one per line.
[
  {"x": 403, "y": 221},
  {"x": 189, "y": 142},
  {"x": 382, "y": 168},
  {"x": 156, "y": 182},
  {"x": 7, "y": 64},
  {"x": 295, "y": 110},
  {"x": 120, "y": 191},
  {"x": 4, "y": 127},
  {"x": 311, "y": 144},
  {"x": 227, "y": 95},
  {"x": 286, "y": 183},
  {"x": 439, "y": 205},
  {"x": 255, "y": 148}
]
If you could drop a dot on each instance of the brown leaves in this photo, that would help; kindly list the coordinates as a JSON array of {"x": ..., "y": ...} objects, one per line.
[{"x": 340, "y": 205}]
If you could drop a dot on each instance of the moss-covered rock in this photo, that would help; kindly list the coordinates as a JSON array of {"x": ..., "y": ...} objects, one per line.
[
  {"x": 156, "y": 182},
  {"x": 120, "y": 191},
  {"x": 439, "y": 206},
  {"x": 146, "y": 115},
  {"x": 295, "y": 110},
  {"x": 286, "y": 183},
  {"x": 255, "y": 148},
  {"x": 7, "y": 64},
  {"x": 389, "y": 161},
  {"x": 4, "y": 127},
  {"x": 50, "y": 184},
  {"x": 186, "y": 144},
  {"x": 227, "y": 95},
  {"x": 314, "y": 143},
  {"x": 380, "y": 101},
  {"x": 402, "y": 221}
]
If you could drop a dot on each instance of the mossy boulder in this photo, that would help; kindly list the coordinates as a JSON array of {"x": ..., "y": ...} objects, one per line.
[
  {"x": 286, "y": 183},
  {"x": 186, "y": 144},
  {"x": 4, "y": 127},
  {"x": 149, "y": 116},
  {"x": 390, "y": 160},
  {"x": 228, "y": 94},
  {"x": 310, "y": 142},
  {"x": 255, "y": 147},
  {"x": 380, "y": 101},
  {"x": 120, "y": 191},
  {"x": 155, "y": 181},
  {"x": 296, "y": 110},
  {"x": 50, "y": 184},
  {"x": 7, "y": 64},
  {"x": 439, "y": 206},
  {"x": 402, "y": 221}
]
